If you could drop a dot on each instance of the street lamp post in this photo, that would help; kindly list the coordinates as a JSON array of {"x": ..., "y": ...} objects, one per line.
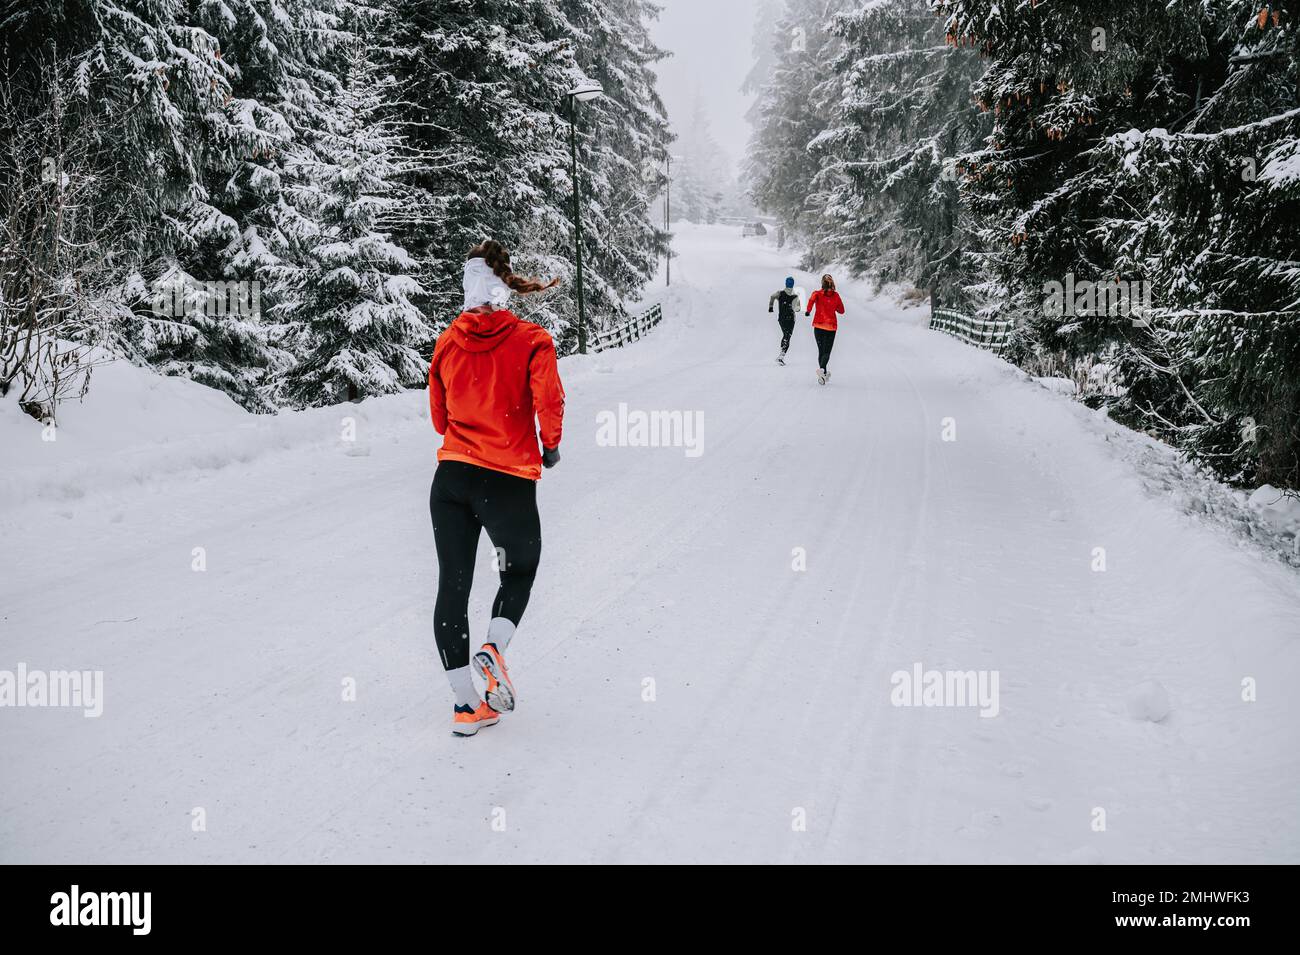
[{"x": 580, "y": 93}]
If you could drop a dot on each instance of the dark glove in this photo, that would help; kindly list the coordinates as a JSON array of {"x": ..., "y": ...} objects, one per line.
[
  {"x": 550, "y": 457},
  {"x": 769, "y": 310}
]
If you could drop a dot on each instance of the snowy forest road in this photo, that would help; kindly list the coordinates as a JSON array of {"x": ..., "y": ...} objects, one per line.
[{"x": 706, "y": 669}]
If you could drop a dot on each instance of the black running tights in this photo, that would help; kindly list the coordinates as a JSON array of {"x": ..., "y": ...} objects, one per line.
[
  {"x": 825, "y": 342},
  {"x": 465, "y": 499}
]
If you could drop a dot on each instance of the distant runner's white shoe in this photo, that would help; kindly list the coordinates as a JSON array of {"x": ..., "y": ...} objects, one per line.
[
  {"x": 828, "y": 376},
  {"x": 821, "y": 376},
  {"x": 780, "y": 359}
]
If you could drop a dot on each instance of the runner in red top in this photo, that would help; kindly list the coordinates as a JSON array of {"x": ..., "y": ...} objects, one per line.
[
  {"x": 493, "y": 380},
  {"x": 491, "y": 374},
  {"x": 828, "y": 305}
]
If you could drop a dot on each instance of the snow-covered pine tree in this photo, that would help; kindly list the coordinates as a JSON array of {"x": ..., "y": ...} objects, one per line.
[
  {"x": 152, "y": 79},
  {"x": 283, "y": 61},
  {"x": 701, "y": 176},
  {"x": 159, "y": 80},
  {"x": 1162, "y": 157},
  {"x": 759, "y": 75},
  {"x": 622, "y": 141},
  {"x": 1210, "y": 221},
  {"x": 350, "y": 302},
  {"x": 484, "y": 103},
  {"x": 62, "y": 250},
  {"x": 1059, "y": 78},
  {"x": 762, "y": 49},
  {"x": 888, "y": 177},
  {"x": 480, "y": 88},
  {"x": 148, "y": 82},
  {"x": 793, "y": 109}
]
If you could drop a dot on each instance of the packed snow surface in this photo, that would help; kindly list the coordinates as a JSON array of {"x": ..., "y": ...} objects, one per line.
[{"x": 757, "y": 652}]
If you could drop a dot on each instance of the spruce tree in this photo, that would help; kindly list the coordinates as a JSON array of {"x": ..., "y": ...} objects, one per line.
[
  {"x": 284, "y": 62},
  {"x": 358, "y": 331},
  {"x": 622, "y": 141},
  {"x": 480, "y": 87},
  {"x": 1117, "y": 156},
  {"x": 701, "y": 175},
  {"x": 1215, "y": 366},
  {"x": 888, "y": 163},
  {"x": 152, "y": 81},
  {"x": 483, "y": 102},
  {"x": 1059, "y": 78},
  {"x": 793, "y": 108}
]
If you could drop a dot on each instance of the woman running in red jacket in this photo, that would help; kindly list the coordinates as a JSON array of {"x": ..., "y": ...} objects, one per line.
[
  {"x": 492, "y": 374},
  {"x": 828, "y": 304}
]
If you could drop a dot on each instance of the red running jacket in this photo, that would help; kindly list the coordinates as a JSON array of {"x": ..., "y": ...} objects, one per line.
[
  {"x": 490, "y": 376},
  {"x": 828, "y": 304}
]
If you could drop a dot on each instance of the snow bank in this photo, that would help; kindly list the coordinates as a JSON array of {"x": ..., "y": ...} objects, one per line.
[
  {"x": 1278, "y": 508},
  {"x": 135, "y": 425},
  {"x": 125, "y": 406},
  {"x": 1060, "y": 386},
  {"x": 1266, "y": 520}
]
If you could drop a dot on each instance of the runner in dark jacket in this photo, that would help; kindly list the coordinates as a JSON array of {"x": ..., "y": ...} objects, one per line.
[{"x": 788, "y": 300}]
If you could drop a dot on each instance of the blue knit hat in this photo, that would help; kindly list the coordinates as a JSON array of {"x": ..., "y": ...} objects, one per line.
[{"x": 789, "y": 282}]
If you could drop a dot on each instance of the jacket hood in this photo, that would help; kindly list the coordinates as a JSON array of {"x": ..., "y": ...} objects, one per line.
[{"x": 483, "y": 331}]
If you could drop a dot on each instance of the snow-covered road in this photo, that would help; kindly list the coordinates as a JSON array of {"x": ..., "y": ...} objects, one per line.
[{"x": 705, "y": 668}]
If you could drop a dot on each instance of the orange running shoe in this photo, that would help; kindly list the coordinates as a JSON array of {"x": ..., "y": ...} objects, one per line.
[
  {"x": 491, "y": 666},
  {"x": 467, "y": 722}
]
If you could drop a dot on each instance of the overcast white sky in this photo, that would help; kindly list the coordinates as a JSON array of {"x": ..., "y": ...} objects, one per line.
[{"x": 710, "y": 42}]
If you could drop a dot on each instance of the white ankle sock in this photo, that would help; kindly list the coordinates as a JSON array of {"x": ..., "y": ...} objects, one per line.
[
  {"x": 500, "y": 632},
  {"x": 462, "y": 684}
]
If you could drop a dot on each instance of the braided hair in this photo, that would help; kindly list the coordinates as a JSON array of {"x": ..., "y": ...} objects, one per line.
[{"x": 498, "y": 260}]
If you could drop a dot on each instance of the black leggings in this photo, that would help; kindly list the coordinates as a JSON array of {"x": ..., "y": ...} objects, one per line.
[
  {"x": 787, "y": 329},
  {"x": 465, "y": 499},
  {"x": 825, "y": 342}
]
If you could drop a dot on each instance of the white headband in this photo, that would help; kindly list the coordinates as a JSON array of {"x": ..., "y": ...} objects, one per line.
[{"x": 482, "y": 287}]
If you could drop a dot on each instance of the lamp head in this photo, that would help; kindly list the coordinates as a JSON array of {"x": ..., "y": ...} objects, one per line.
[{"x": 587, "y": 90}]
